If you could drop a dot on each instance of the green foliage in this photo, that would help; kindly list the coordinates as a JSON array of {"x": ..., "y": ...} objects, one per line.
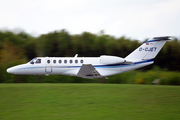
[
  {"x": 171, "y": 78},
  {"x": 122, "y": 78},
  {"x": 146, "y": 77}
]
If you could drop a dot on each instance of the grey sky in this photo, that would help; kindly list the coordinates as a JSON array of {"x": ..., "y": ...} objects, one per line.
[{"x": 137, "y": 19}]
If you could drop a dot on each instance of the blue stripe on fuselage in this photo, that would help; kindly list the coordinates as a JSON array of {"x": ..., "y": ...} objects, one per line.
[{"x": 122, "y": 64}]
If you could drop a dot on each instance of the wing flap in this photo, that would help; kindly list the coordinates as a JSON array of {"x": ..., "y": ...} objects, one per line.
[{"x": 88, "y": 71}]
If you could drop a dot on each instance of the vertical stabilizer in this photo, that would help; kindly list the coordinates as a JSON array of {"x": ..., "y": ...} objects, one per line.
[{"x": 148, "y": 50}]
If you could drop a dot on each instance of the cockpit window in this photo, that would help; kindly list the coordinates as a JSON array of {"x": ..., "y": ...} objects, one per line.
[
  {"x": 38, "y": 61},
  {"x": 33, "y": 60}
]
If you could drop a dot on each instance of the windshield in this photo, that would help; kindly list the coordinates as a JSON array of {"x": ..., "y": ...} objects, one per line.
[{"x": 33, "y": 60}]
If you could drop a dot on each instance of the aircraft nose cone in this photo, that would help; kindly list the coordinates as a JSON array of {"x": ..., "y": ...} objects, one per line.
[{"x": 10, "y": 70}]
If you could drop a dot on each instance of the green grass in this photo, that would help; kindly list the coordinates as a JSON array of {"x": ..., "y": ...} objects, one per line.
[{"x": 89, "y": 102}]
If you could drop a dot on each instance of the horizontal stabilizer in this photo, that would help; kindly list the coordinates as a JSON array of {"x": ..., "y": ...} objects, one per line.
[{"x": 162, "y": 38}]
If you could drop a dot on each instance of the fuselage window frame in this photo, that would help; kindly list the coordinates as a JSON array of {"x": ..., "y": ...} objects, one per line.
[
  {"x": 82, "y": 61},
  {"x": 76, "y": 61},
  {"x": 60, "y": 61},
  {"x": 70, "y": 61},
  {"x": 54, "y": 61},
  {"x": 48, "y": 61},
  {"x": 65, "y": 61}
]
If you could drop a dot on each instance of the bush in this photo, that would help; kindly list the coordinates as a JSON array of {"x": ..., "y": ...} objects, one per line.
[{"x": 172, "y": 78}]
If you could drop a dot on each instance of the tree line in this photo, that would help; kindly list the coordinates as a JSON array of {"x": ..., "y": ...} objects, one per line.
[{"x": 21, "y": 47}]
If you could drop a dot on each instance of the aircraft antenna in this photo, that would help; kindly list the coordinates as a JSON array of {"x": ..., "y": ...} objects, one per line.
[{"x": 76, "y": 55}]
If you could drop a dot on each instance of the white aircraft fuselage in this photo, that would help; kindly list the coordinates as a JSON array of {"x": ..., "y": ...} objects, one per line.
[
  {"x": 92, "y": 67},
  {"x": 63, "y": 66}
]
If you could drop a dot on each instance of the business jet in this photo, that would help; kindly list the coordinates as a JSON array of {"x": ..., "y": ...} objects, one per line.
[{"x": 93, "y": 67}]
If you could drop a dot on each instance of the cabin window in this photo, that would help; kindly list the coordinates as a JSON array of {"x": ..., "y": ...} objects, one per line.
[
  {"x": 38, "y": 61},
  {"x": 76, "y": 61},
  {"x": 60, "y": 61},
  {"x": 48, "y": 61},
  {"x": 82, "y": 61},
  {"x": 65, "y": 61},
  {"x": 70, "y": 61},
  {"x": 54, "y": 61}
]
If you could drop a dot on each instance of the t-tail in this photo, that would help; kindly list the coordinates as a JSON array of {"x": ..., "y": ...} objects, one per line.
[{"x": 148, "y": 50}]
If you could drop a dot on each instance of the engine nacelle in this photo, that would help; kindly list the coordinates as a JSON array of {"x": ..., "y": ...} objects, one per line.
[{"x": 105, "y": 59}]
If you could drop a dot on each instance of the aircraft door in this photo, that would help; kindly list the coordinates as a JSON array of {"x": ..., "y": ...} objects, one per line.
[{"x": 48, "y": 65}]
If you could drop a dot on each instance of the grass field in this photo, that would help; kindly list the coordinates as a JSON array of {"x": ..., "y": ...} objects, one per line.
[{"x": 89, "y": 102}]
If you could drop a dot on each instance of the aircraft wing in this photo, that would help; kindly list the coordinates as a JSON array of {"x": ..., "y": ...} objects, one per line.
[{"x": 88, "y": 71}]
